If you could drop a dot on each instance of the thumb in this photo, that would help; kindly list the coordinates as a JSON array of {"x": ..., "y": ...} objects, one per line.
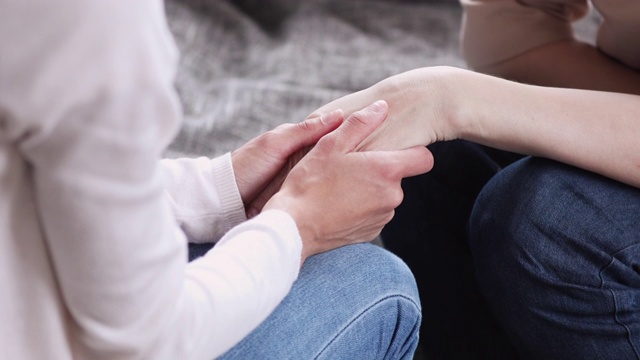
[{"x": 358, "y": 126}]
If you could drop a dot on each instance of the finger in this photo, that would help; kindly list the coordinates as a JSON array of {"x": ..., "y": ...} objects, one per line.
[
  {"x": 358, "y": 126},
  {"x": 318, "y": 124},
  {"x": 308, "y": 132},
  {"x": 270, "y": 189},
  {"x": 349, "y": 103},
  {"x": 408, "y": 162}
]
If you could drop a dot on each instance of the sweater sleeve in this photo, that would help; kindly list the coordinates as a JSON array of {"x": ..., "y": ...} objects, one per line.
[
  {"x": 203, "y": 196},
  {"x": 497, "y": 30},
  {"x": 87, "y": 98}
]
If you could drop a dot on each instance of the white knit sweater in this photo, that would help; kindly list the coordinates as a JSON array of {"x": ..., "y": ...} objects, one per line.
[{"x": 92, "y": 254}]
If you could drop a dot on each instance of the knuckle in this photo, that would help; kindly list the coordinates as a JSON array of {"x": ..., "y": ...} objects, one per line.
[
  {"x": 306, "y": 125},
  {"x": 327, "y": 142},
  {"x": 397, "y": 197},
  {"x": 268, "y": 138},
  {"x": 399, "y": 169},
  {"x": 392, "y": 172},
  {"x": 277, "y": 137},
  {"x": 359, "y": 117}
]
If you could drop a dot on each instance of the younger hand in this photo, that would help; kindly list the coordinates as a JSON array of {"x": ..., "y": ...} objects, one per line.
[
  {"x": 339, "y": 196},
  {"x": 423, "y": 107},
  {"x": 261, "y": 164}
]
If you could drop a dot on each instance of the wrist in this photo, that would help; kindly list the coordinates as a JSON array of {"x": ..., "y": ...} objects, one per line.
[
  {"x": 499, "y": 113},
  {"x": 473, "y": 104},
  {"x": 288, "y": 204},
  {"x": 458, "y": 110},
  {"x": 443, "y": 88}
]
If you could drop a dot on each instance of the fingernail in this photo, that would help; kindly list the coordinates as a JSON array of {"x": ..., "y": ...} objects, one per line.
[
  {"x": 378, "y": 106},
  {"x": 332, "y": 117}
]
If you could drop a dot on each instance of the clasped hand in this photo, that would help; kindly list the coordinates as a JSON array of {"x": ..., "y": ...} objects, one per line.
[{"x": 336, "y": 194}]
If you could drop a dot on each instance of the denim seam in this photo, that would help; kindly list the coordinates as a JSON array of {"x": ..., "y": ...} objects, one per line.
[
  {"x": 361, "y": 314},
  {"x": 615, "y": 309}
]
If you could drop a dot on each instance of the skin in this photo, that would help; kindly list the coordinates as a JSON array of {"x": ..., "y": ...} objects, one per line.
[
  {"x": 594, "y": 130},
  {"x": 568, "y": 101},
  {"x": 261, "y": 164},
  {"x": 568, "y": 64},
  {"x": 336, "y": 195}
]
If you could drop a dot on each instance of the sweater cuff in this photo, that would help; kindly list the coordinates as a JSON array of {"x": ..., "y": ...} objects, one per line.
[{"x": 225, "y": 179}]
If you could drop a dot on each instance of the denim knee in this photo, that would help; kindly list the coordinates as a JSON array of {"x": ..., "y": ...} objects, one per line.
[
  {"x": 358, "y": 301},
  {"x": 527, "y": 219},
  {"x": 556, "y": 252},
  {"x": 379, "y": 313}
]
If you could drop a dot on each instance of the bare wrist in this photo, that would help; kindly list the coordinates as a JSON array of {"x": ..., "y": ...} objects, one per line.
[
  {"x": 470, "y": 100},
  {"x": 445, "y": 88}
]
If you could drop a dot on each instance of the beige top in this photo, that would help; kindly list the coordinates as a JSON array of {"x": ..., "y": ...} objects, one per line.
[{"x": 496, "y": 30}]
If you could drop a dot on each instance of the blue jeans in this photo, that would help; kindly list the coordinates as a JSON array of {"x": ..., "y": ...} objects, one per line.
[
  {"x": 429, "y": 234},
  {"x": 556, "y": 252},
  {"x": 355, "y": 302}
]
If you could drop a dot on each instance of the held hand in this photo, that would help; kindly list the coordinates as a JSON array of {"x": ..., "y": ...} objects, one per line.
[
  {"x": 255, "y": 206},
  {"x": 339, "y": 196},
  {"x": 422, "y": 108},
  {"x": 262, "y": 163}
]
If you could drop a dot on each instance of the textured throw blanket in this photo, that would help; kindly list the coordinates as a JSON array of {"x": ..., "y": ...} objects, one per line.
[{"x": 249, "y": 65}]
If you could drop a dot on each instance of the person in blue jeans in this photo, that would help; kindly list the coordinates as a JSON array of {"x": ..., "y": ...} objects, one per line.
[
  {"x": 559, "y": 260},
  {"x": 355, "y": 302}
]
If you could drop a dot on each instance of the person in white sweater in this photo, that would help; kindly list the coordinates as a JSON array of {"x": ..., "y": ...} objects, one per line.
[
  {"x": 550, "y": 241},
  {"x": 94, "y": 227}
]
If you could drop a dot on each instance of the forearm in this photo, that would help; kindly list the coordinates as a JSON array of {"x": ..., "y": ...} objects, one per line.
[
  {"x": 594, "y": 130},
  {"x": 568, "y": 64},
  {"x": 597, "y": 131},
  {"x": 231, "y": 289}
]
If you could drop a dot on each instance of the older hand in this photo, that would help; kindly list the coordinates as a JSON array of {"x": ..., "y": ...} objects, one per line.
[
  {"x": 421, "y": 108},
  {"x": 339, "y": 196}
]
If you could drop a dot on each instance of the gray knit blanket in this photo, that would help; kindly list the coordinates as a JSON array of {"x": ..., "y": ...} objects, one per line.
[{"x": 249, "y": 65}]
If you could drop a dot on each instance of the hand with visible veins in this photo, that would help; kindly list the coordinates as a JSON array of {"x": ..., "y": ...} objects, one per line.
[
  {"x": 338, "y": 195},
  {"x": 261, "y": 164}
]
